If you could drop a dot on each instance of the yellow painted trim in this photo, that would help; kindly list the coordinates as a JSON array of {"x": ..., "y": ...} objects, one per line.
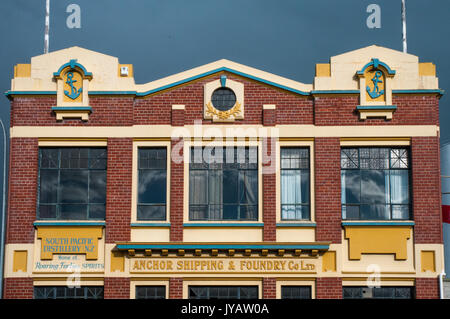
[
  {"x": 350, "y": 141},
  {"x": 20, "y": 260},
  {"x": 329, "y": 261},
  {"x": 149, "y": 143},
  {"x": 22, "y": 70},
  {"x": 385, "y": 281},
  {"x": 427, "y": 69},
  {"x": 428, "y": 261},
  {"x": 117, "y": 261},
  {"x": 323, "y": 70},
  {"x": 62, "y": 281},
  {"x": 130, "y": 71},
  {"x": 167, "y": 131},
  {"x": 72, "y": 142},
  {"x": 378, "y": 240}
]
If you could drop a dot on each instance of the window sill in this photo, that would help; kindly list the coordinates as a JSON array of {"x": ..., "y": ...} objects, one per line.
[
  {"x": 227, "y": 224},
  {"x": 378, "y": 223},
  {"x": 150, "y": 224},
  {"x": 69, "y": 223},
  {"x": 296, "y": 224},
  {"x": 385, "y": 111}
]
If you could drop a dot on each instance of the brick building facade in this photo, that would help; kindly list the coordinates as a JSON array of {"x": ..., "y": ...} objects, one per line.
[{"x": 330, "y": 187}]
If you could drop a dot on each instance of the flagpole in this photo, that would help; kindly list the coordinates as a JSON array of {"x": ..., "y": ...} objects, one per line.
[
  {"x": 47, "y": 26},
  {"x": 405, "y": 48}
]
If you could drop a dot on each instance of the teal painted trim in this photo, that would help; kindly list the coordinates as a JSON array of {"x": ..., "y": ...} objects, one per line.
[
  {"x": 438, "y": 91},
  {"x": 219, "y": 246},
  {"x": 377, "y": 107},
  {"x": 220, "y": 70},
  {"x": 150, "y": 224},
  {"x": 8, "y": 93},
  {"x": 41, "y": 223},
  {"x": 71, "y": 108},
  {"x": 223, "y": 225},
  {"x": 390, "y": 223},
  {"x": 296, "y": 224},
  {"x": 335, "y": 92},
  {"x": 112, "y": 92},
  {"x": 72, "y": 63},
  {"x": 375, "y": 62}
]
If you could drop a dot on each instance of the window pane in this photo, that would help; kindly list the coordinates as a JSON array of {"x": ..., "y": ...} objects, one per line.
[
  {"x": 230, "y": 186},
  {"x": 152, "y": 186},
  {"x": 47, "y": 211},
  {"x": 98, "y": 158},
  {"x": 97, "y": 211},
  {"x": 350, "y": 212},
  {"x": 48, "y": 187},
  {"x": 49, "y": 158},
  {"x": 71, "y": 211},
  {"x": 400, "y": 211},
  {"x": 73, "y": 186},
  {"x": 97, "y": 187},
  {"x": 151, "y": 212},
  {"x": 375, "y": 186},
  {"x": 295, "y": 292},
  {"x": 399, "y": 186},
  {"x": 351, "y": 186},
  {"x": 374, "y": 211},
  {"x": 248, "y": 187}
]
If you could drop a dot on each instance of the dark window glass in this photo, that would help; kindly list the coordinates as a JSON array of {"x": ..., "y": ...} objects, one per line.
[
  {"x": 375, "y": 183},
  {"x": 223, "y": 99},
  {"x": 64, "y": 292},
  {"x": 223, "y": 292},
  {"x": 295, "y": 292},
  {"x": 295, "y": 183},
  {"x": 150, "y": 292},
  {"x": 378, "y": 293},
  {"x": 72, "y": 183},
  {"x": 152, "y": 184},
  {"x": 223, "y": 184}
]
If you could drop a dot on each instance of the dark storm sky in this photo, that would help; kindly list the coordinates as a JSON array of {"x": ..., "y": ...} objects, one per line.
[{"x": 285, "y": 37}]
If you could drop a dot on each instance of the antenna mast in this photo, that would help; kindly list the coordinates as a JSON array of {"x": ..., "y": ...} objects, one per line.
[
  {"x": 404, "y": 26},
  {"x": 47, "y": 25}
]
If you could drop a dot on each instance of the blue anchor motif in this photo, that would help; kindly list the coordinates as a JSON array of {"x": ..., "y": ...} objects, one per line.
[
  {"x": 74, "y": 93},
  {"x": 376, "y": 92}
]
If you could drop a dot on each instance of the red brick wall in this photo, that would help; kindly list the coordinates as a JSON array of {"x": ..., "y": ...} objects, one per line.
[
  {"x": 269, "y": 194},
  {"x": 291, "y": 108},
  {"x": 176, "y": 190},
  {"x": 106, "y": 111},
  {"x": 23, "y": 175},
  {"x": 426, "y": 190},
  {"x": 118, "y": 188},
  {"x": 269, "y": 288},
  {"x": 18, "y": 288},
  {"x": 411, "y": 110},
  {"x": 176, "y": 288},
  {"x": 328, "y": 288},
  {"x": 427, "y": 288},
  {"x": 117, "y": 288},
  {"x": 177, "y": 117},
  {"x": 327, "y": 154}
]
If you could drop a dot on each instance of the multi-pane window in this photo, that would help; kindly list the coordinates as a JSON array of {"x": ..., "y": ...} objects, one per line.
[
  {"x": 295, "y": 183},
  {"x": 375, "y": 183},
  {"x": 72, "y": 183},
  {"x": 295, "y": 292},
  {"x": 223, "y": 183},
  {"x": 150, "y": 292},
  {"x": 223, "y": 292},
  {"x": 64, "y": 292},
  {"x": 378, "y": 293},
  {"x": 152, "y": 184}
]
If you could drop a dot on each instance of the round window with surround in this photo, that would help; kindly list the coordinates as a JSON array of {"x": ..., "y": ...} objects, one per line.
[{"x": 223, "y": 99}]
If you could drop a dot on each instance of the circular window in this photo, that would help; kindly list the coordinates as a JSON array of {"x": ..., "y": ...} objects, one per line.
[{"x": 223, "y": 99}]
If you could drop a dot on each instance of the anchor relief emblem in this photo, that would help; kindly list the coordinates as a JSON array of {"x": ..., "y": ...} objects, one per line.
[
  {"x": 376, "y": 92},
  {"x": 74, "y": 92}
]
